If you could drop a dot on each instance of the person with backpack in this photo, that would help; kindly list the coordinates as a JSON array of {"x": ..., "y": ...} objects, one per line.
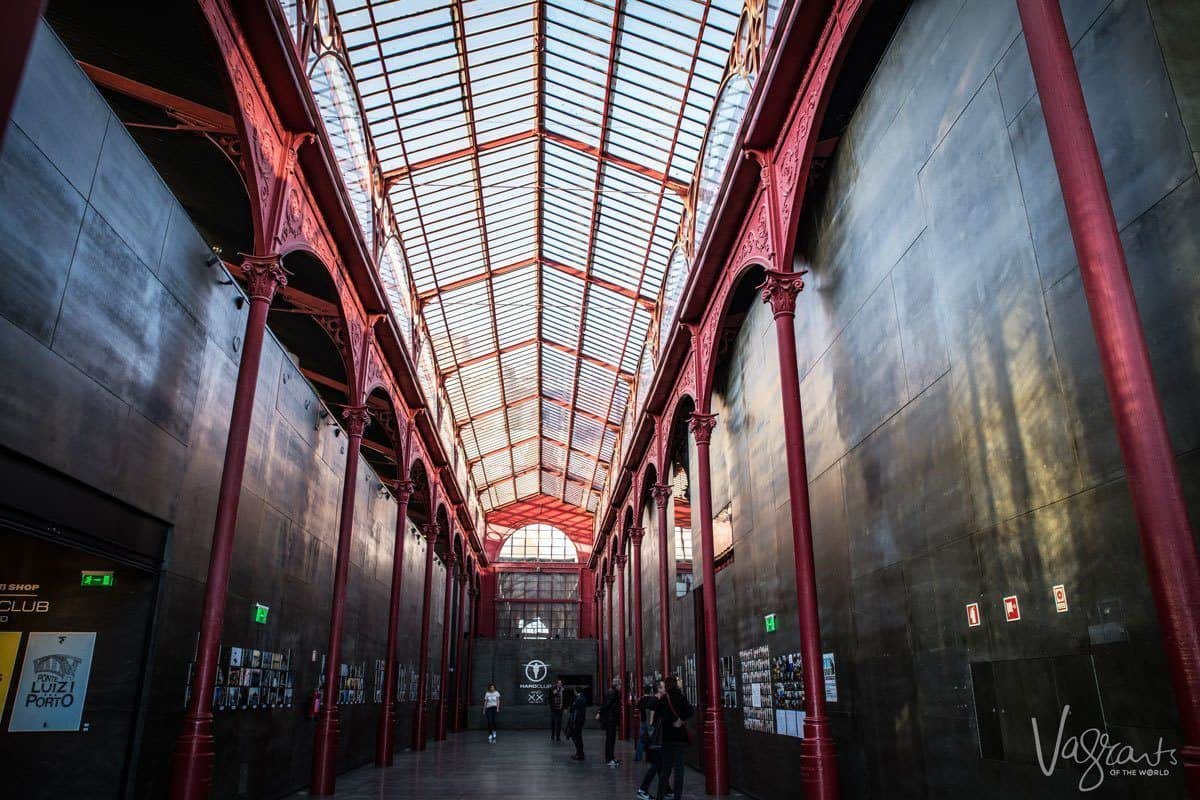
[
  {"x": 575, "y": 719},
  {"x": 672, "y": 712},
  {"x": 645, "y": 706},
  {"x": 652, "y": 735},
  {"x": 609, "y": 715}
]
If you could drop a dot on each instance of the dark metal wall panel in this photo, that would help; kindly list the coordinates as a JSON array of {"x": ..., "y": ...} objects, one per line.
[
  {"x": 118, "y": 356},
  {"x": 960, "y": 445}
]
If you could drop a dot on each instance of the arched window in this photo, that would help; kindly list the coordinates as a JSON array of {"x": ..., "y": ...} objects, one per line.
[
  {"x": 719, "y": 145},
  {"x": 537, "y": 542}
]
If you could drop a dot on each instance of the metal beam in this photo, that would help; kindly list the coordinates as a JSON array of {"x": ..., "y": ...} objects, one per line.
[{"x": 192, "y": 113}]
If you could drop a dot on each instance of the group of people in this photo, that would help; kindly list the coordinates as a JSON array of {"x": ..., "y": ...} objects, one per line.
[{"x": 662, "y": 740}]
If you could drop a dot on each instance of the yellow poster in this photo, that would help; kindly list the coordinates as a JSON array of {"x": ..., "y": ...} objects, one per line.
[{"x": 10, "y": 642}]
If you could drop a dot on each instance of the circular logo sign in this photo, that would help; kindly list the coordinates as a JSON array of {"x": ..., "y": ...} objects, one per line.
[{"x": 536, "y": 671}]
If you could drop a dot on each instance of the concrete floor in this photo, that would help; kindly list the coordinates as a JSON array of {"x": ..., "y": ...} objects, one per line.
[{"x": 521, "y": 764}]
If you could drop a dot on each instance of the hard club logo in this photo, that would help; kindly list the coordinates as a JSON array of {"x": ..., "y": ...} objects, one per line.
[{"x": 536, "y": 671}]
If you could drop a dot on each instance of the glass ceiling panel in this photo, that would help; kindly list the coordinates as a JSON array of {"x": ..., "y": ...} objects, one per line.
[{"x": 534, "y": 157}]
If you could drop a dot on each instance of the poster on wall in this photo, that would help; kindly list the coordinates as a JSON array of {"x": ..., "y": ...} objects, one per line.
[
  {"x": 787, "y": 674},
  {"x": 53, "y": 686},
  {"x": 689, "y": 679},
  {"x": 829, "y": 667},
  {"x": 10, "y": 642},
  {"x": 757, "y": 714},
  {"x": 729, "y": 697}
]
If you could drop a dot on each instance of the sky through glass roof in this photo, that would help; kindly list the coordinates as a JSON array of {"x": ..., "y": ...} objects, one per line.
[{"x": 537, "y": 158}]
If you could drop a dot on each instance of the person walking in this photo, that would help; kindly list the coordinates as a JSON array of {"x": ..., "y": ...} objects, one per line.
[
  {"x": 609, "y": 715},
  {"x": 652, "y": 731},
  {"x": 575, "y": 720},
  {"x": 491, "y": 707},
  {"x": 672, "y": 712},
  {"x": 645, "y": 706},
  {"x": 557, "y": 695}
]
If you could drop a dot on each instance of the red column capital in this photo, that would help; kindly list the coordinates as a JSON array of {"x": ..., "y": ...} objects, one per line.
[
  {"x": 661, "y": 493},
  {"x": 701, "y": 426},
  {"x": 357, "y": 418},
  {"x": 636, "y": 534},
  {"x": 265, "y": 275},
  {"x": 403, "y": 491},
  {"x": 780, "y": 290}
]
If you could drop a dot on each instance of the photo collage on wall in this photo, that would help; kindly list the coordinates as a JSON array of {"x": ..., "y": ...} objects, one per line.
[
  {"x": 787, "y": 675},
  {"x": 352, "y": 683},
  {"x": 434, "y": 682},
  {"x": 249, "y": 679},
  {"x": 380, "y": 669},
  {"x": 410, "y": 682},
  {"x": 729, "y": 694},
  {"x": 757, "y": 712}
]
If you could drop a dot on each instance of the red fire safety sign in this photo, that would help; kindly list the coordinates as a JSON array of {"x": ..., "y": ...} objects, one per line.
[
  {"x": 1012, "y": 610},
  {"x": 973, "y": 615},
  {"x": 1060, "y": 598}
]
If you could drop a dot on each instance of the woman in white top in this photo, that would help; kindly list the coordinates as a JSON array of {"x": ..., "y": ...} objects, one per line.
[{"x": 491, "y": 706}]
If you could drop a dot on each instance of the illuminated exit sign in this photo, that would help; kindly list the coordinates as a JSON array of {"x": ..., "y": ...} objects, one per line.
[
  {"x": 769, "y": 623},
  {"x": 260, "y": 613},
  {"x": 95, "y": 577}
]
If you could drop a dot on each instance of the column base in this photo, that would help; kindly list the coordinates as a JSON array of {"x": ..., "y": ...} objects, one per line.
[
  {"x": 818, "y": 761},
  {"x": 715, "y": 752},
  {"x": 324, "y": 769},
  {"x": 193, "y": 758}
]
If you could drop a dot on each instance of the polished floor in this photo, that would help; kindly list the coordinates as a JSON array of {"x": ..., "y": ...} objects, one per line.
[{"x": 520, "y": 764}]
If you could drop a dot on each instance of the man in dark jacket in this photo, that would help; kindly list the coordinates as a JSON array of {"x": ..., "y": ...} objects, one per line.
[
  {"x": 575, "y": 719},
  {"x": 672, "y": 712},
  {"x": 609, "y": 715},
  {"x": 555, "y": 699}
]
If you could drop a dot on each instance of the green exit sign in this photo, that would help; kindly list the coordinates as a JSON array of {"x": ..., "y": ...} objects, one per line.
[
  {"x": 769, "y": 623},
  {"x": 93, "y": 577},
  {"x": 260, "y": 613}
]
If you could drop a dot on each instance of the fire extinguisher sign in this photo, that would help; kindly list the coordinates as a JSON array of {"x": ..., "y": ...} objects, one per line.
[
  {"x": 1012, "y": 609},
  {"x": 1060, "y": 598},
  {"x": 973, "y": 619}
]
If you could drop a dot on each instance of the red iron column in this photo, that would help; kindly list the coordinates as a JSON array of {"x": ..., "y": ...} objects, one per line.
[
  {"x": 387, "y": 714},
  {"x": 459, "y": 647},
  {"x": 716, "y": 765},
  {"x": 609, "y": 652},
  {"x": 620, "y": 560},
  {"x": 1166, "y": 534},
  {"x": 818, "y": 760},
  {"x": 473, "y": 617},
  {"x": 447, "y": 632},
  {"x": 635, "y": 539},
  {"x": 418, "y": 736},
  {"x": 192, "y": 761},
  {"x": 600, "y": 630},
  {"x": 662, "y": 498},
  {"x": 324, "y": 766}
]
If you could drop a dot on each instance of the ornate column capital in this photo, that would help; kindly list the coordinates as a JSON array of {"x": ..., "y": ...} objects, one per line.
[
  {"x": 450, "y": 560},
  {"x": 610, "y": 578},
  {"x": 403, "y": 490},
  {"x": 431, "y": 532},
  {"x": 356, "y": 418},
  {"x": 780, "y": 290},
  {"x": 265, "y": 275},
  {"x": 620, "y": 559},
  {"x": 701, "y": 426},
  {"x": 662, "y": 493},
  {"x": 635, "y": 535}
]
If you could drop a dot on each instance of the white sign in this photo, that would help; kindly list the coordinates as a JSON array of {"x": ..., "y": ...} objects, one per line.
[
  {"x": 54, "y": 682},
  {"x": 1060, "y": 598},
  {"x": 756, "y": 695},
  {"x": 1012, "y": 609},
  {"x": 536, "y": 671},
  {"x": 829, "y": 667}
]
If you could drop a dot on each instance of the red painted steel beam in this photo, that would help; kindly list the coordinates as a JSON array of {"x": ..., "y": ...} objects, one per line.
[
  {"x": 1168, "y": 543},
  {"x": 400, "y": 173},
  {"x": 675, "y": 186},
  {"x": 208, "y": 118},
  {"x": 644, "y": 301},
  {"x": 614, "y": 40}
]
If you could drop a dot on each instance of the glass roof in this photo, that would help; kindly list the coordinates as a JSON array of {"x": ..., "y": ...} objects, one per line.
[{"x": 537, "y": 158}]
